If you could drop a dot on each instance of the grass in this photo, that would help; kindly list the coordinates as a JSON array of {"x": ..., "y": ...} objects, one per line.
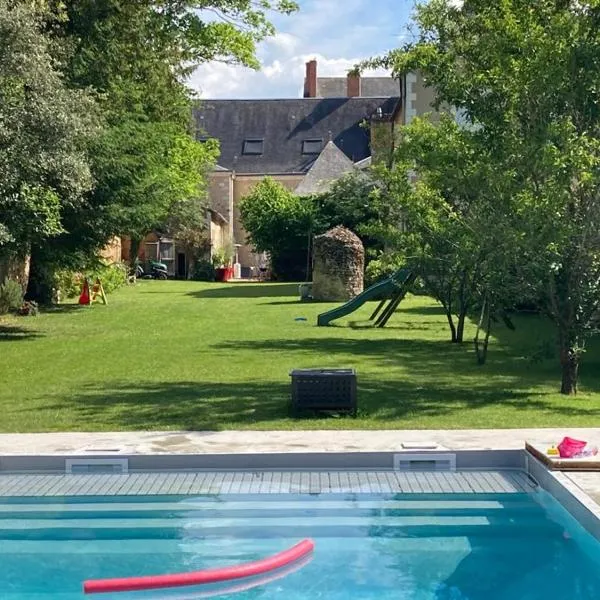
[{"x": 185, "y": 355}]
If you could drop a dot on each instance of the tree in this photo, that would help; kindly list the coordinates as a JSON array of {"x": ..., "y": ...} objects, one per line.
[
  {"x": 454, "y": 234},
  {"x": 353, "y": 201},
  {"x": 136, "y": 57},
  {"x": 527, "y": 73},
  {"x": 44, "y": 130},
  {"x": 280, "y": 223}
]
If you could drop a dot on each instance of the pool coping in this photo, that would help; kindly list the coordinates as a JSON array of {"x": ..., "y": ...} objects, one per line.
[
  {"x": 561, "y": 486},
  {"x": 313, "y": 461}
]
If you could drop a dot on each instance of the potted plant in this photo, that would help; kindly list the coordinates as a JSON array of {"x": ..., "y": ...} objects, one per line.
[{"x": 222, "y": 262}]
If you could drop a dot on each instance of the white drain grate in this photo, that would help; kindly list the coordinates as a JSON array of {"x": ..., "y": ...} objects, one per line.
[
  {"x": 96, "y": 465},
  {"x": 427, "y": 461}
]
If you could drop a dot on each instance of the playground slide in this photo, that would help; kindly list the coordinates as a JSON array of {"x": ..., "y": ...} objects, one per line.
[{"x": 385, "y": 287}]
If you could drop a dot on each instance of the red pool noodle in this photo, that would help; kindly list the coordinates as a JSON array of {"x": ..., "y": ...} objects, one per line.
[{"x": 153, "y": 582}]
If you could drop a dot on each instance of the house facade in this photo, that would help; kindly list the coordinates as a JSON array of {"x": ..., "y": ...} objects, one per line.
[{"x": 341, "y": 123}]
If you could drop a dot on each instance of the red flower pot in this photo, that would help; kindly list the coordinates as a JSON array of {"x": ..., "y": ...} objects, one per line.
[{"x": 224, "y": 273}]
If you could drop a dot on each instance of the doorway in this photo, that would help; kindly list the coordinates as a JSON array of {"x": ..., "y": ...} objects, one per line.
[{"x": 181, "y": 265}]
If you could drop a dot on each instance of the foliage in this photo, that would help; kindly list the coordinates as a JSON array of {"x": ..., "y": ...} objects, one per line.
[
  {"x": 385, "y": 265},
  {"x": 410, "y": 377},
  {"x": 29, "y": 308},
  {"x": 44, "y": 129},
  {"x": 187, "y": 221},
  {"x": 11, "y": 296},
  {"x": 525, "y": 77},
  {"x": 362, "y": 202},
  {"x": 280, "y": 223},
  {"x": 455, "y": 237},
  {"x": 203, "y": 271},
  {"x": 68, "y": 283},
  {"x": 222, "y": 257},
  {"x": 147, "y": 173},
  {"x": 136, "y": 57},
  {"x": 113, "y": 276},
  {"x": 350, "y": 202}
]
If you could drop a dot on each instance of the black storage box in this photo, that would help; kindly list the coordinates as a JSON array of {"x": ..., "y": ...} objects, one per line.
[{"x": 324, "y": 389}]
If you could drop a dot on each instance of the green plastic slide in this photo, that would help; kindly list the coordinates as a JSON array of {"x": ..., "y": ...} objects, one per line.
[{"x": 384, "y": 288}]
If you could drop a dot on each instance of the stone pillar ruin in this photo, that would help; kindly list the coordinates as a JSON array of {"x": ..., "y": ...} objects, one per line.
[{"x": 338, "y": 266}]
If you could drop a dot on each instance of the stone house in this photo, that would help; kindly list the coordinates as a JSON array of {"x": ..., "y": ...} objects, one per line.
[{"x": 341, "y": 123}]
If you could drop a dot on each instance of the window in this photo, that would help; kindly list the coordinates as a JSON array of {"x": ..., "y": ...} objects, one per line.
[
  {"x": 253, "y": 146},
  {"x": 312, "y": 146}
]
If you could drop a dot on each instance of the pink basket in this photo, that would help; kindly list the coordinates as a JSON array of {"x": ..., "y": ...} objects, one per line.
[{"x": 570, "y": 447}]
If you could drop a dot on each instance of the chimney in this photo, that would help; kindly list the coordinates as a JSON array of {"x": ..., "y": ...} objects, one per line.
[
  {"x": 353, "y": 85},
  {"x": 310, "y": 81}
]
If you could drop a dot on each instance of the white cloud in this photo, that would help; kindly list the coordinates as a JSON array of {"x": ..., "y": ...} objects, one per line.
[
  {"x": 281, "y": 78},
  {"x": 338, "y": 33},
  {"x": 284, "y": 42}
]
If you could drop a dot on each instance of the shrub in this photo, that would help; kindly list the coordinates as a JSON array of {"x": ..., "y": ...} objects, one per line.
[
  {"x": 112, "y": 276},
  {"x": 29, "y": 309},
  {"x": 383, "y": 266},
  {"x": 204, "y": 270},
  {"x": 280, "y": 223},
  {"x": 11, "y": 296},
  {"x": 68, "y": 283}
]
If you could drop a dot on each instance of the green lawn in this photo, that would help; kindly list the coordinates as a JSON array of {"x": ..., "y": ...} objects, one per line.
[{"x": 186, "y": 355}]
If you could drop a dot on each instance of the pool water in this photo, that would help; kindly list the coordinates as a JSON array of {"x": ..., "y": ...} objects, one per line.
[{"x": 368, "y": 547}]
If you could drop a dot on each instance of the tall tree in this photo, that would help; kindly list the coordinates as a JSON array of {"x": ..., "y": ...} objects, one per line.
[
  {"x": 136, "y": 57},
  {"x": 44, "y": 130},
  {"x": 527, "y": 72}
]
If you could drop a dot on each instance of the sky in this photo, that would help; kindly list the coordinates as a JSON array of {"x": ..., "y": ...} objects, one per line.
[{"x": 338, "y": 33}]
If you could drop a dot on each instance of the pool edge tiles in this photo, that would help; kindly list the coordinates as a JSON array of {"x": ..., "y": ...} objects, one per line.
[{"x": 265, "y": 482}]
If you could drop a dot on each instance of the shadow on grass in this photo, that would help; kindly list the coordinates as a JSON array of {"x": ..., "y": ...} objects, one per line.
[
  {"x": 213, "y": 406},
  {"x": 247, "y": 290},
  {"x": 57, "y": 309},
  {"x": 421, "y": 310},
  {"x": 436, "y": 379},
  {"x": 11, "y": 333}
]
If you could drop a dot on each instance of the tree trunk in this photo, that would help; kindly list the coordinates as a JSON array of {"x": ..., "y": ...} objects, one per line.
[
  {"x": 485, "y": 321},
  {"x": 569, "y": 361},
  {"x": 451, "y": 325},
  {"x": 16, "y": 267},
  {"x": 40, "y": 284},
  {"x": 134, "y": 249},
  {"x": 460, "y": 328}
]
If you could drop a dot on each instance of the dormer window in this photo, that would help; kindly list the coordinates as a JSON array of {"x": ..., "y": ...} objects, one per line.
[
  {"x": 313, "y": 146},
  {"x": 253, "y": 146}
]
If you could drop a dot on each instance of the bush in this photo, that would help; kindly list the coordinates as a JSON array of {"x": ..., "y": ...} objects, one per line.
[
  {"x": 280, "y": 223},
  {"x": 69, "y": 283},
  {"x": 204, "y": 270},
  {"x": 11, "y": 296},
  {"x": 112, "y": 276},
  {"x": 29, "y": 309},
  {"x": 385, "y": 265}
]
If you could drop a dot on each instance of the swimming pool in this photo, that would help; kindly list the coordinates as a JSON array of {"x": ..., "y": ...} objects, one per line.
[{"x": 517, "y": 546}]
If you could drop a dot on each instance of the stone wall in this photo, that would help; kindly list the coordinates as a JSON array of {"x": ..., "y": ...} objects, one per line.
[{"x": 338, "y": 267}]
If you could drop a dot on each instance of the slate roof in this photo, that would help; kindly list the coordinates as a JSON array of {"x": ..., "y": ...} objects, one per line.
[
  {"x": 331, "y": 164},
  {"x": 284, "y": 125},
  {"x": 375, "y": 87}
]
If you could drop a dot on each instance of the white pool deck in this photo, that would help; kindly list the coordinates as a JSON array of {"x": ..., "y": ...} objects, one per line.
[{"x": 264, "y": 442}]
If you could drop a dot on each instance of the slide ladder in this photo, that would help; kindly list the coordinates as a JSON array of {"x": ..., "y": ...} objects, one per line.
[{"x": 393, "y": 289}]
